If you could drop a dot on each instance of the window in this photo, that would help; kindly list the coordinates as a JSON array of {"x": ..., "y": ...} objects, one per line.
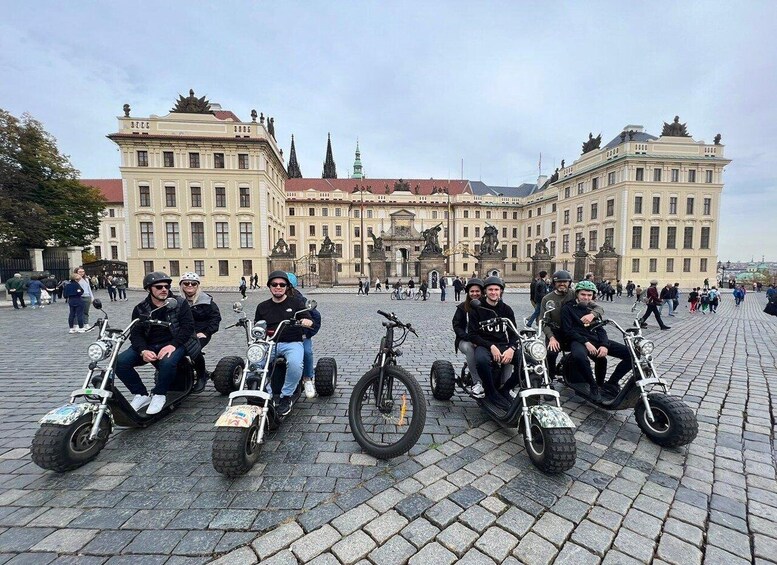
[
  {"x": 566, "y": 192},
  {"x": 98, "y": 252},
  {"x": 477, "y": 231},
  {"x": 609, "y": 235},
  {"x": 311, "y": 211},
  {"x": 566, "y": 217},
  {"x": 553, "y": 248},
  {"x": 357, "y": 250},
  {"x": 148, "y": 267},
  {"x": 218, "y": 160},
  {"x": 291, "y": 211},
  {"x": 640, "y": 173},
  {"x": 168, "y": 159},
  {"x": 670, "y": 265},
  {"x": 689, "y": 205},
  {"x": 654, "y": 237},
  {"x": 504, "y": 233},
  {"x": 552, "y": 209},
  {"x": 339, "y": 249},
  {"x": 657, "y": 175},
  {"x": 708, "y": 176},
  {"x": 692, "y": 175},
  {"x": 686, "y": 265},
  {"x": 514, "y": 250},
  {"x": 199, "y": 267},
  {"x": 656, "y": 204},
  {"x": 196, "y": 196},
  {"x": 635, "y": 265},
  {"x": 671, "y": 237},
  {"x": 111, "y": 212},
  {"x": 579, "y": 213},
  {"x": 242, "y": 160},
  {"x": 595, "y": 182},
  {"x": 637, "y": 204},
  {"x": 173, "y": 235},
  {"x": 488, "y": 214},
  {"x": 114, "y": 252},
  {"x": 673, "y": 205},
  {"x": 142, "y": 158},
  {"x": 325, "y": 230},
  {"x": 515, "y": 233},
  {"x": 170, "y": 196},
  {"x": 528, "y": 231},
  {"x": 688, "y": 238},
  {"x": 580, "y": 188},
  {"x": 245, "y": 197},
  {"x": 528, "y": 249},
  {"x": 552, "y": 227},
  {"x": 246, "y": 235},
  {"x": 610, "y": 207},
  {"x": 194, "y": 160},
  {"x": 578, "y": 235},
  {"x": 477, "y": 214},
  {"x": 704, "y": 241},
  {"x": 312, "y": 230},
  {"x": 144, "y": 193},
  {"x": 707, "y": 206},
  {"x": 222, "y": 235},
  {"x": 703, "y": 265},
  {"x": 175, "y": 269},
  {"x": 198, "y": 235},
  {"x": 466, "y": 213},
  {"x": 610, "y": 178},
  {"x": 221, "y": 197},
  {"x": 146, "y": 235},
  {"x": 515, "y": 215},
  {"x": 529, "y": 213},
  {"x": 338, "y": 231},
  {"x": 539, "y": 211},
  {"x": 537, "y": 230},
  {"x": 653, "y": 265},
  {"x": 593, "y": 240},
  {"x": 504, "y": 215},
  {"x": 636, "y": 237},
  {"x": 338, "y": 212},
  {"x": 325, "y": 212},
  {"x": 565, "y": 243},
  {"x": 113, "y": 231},
  {"x": 223, "y": 268},
  {"x": 466, "y": 231},
  {"x": 675, "y": 175},
  {"x": 248, "y": 267},
  {"x": 357, "y": 232}
]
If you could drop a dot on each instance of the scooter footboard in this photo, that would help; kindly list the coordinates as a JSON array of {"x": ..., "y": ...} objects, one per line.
[
  {"x": 550, "y": 416},
  {"x": 241, "y": 416}
]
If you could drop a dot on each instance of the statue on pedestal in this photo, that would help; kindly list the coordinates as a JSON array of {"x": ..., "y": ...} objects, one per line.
[
  {"x": 327, "y": 247},
  {"x": 377, "y": 242},
  {"x": 431, "y": 239},
  {"x": 541, "y": 247},
  {"x": 489, "y": 245},
  {"x": 675, "y": 129}
]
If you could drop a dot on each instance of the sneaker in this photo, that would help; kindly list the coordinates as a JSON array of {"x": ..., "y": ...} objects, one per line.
[
  {"x": 199, "y": 384},
  {"x": 81, "y": 330},
  {"x": 73, "y": 330},
  {"x": 157, "y": 403},
  {"x": 310, "y": 388},
  {"x": 140, "y": 401},
  {"x": 284, "y": 406},
  {"x": 477, "y": 391}
]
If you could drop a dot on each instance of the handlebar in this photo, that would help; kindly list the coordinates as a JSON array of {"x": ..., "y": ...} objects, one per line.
[{"x": 397, "y": 322}]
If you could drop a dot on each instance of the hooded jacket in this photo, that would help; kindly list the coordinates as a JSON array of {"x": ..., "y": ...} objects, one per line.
[{"x": 206, "y": 314}]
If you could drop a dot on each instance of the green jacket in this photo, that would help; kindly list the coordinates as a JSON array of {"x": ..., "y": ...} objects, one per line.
[{"x": 14, "y": 284}]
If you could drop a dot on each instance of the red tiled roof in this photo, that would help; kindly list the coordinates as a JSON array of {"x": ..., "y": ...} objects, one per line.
[
  {"x": 110, "y": 188},
  {"x": 226, "y": 115},
  {"x": 425, "y": 186}
]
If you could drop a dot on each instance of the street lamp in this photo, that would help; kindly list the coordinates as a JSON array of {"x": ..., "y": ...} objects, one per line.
[{"x": 723, "y": 267}]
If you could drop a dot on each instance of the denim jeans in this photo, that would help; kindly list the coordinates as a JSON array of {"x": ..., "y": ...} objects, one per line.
[
  {"x": 34, "y": 299},
  {"x": 122, "y": 293},
  {"x": 535, "y": 315},
  {"x": 307, "y": 364},
  {"x": 167, "y": 367},
  {"x": 294, "y": 353},
  {"x": 669, "y": 306}
]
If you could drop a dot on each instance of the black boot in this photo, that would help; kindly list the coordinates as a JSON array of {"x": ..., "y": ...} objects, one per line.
[{"x": 594, "y": 393}]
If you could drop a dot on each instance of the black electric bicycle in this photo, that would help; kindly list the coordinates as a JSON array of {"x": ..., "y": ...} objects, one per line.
[{"x": 387, "y": 409}]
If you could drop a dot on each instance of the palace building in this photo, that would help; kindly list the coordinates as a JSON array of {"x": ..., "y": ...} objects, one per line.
[{"x": 111, "y": 242}]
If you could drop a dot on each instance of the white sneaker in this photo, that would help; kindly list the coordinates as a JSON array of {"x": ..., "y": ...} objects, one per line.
[
  {"x": 310, "y": 388},
  {"x": 81, "y": 330},
  {"x": 139, "y": 401},
  {"x": 477, "y": 391},
  {"x": 157, "y": 403},
  {"x": 73, "y": 330}
]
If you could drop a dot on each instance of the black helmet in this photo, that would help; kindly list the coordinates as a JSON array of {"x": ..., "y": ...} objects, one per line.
[
  {"x": 562, "y": 276},
  {"x": 493, "y": 280},
  {"x": 474, "y": 281},
  {"x": 278, "y": 275},
  {"x": 154, "y": 278}
]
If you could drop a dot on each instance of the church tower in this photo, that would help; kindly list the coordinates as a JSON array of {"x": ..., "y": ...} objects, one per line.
[
  {"x": 357, "y": 164},
  {"x": 294, "y": 172},
  {"x": 330, "y": 171}
]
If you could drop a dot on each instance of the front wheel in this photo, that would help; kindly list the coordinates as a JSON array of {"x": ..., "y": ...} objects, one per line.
[
  {"x": 551, "y": 450},
  {"x": 387, "y": 423},
  {"x": 228, "y": 374},
  {"x": 64, "y": 448},
  {"x": 443, "y": 380},
  {"x": 674, "y": 423},
  {"x": 236, "y": 450}
]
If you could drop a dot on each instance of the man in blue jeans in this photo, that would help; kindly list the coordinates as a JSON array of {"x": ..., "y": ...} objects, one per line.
[
  {"x": 283, "y": 305},
  {"x": 163, "y": 344}
]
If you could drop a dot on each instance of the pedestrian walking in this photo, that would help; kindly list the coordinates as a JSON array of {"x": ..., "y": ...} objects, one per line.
[
  {"x": 457, "y": 288},
  {"x": 630, "y": 289},
  {"x": 51, "y": 287},
  {"x": 739, "y": 295},
  {"x": 423, "y": 290},
  {"x": 359, "y": 287},
  {"x": 411, "y": 288},
  {"x": 73, "y": 294},
  {"x": 666, "y": 300},
  {"x": 110, "y": 284},
  {"x": 443, "y": 285},
  {"x": 538, "y": 289},
  {"x": 638, "y": 292},
  {"x": 88, "y": 295},
  {"x": 121, "y": 287},
  {"x": 619, "y": 288},
  {"x": 704, "y": 299},
  {"x": 675, "y": 294},
  {"x": 242, "y": 287},
  {"x": 377, "y": 285},
  {"x": 34, "y": 288},
  {"x": 366, "y": 286},
  {"x": 653, "y": 302}
]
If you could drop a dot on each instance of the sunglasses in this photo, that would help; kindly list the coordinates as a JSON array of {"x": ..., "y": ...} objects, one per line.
[
  {"x": 161, "y": 286},
  {"x": 280, "y": 285},
  {"x": 189, "y": 283}
]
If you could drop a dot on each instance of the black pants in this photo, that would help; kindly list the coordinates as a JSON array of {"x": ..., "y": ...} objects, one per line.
[
  {"x": 199, "y": 361},
  {"x": 582, "y": 362},
  {"x": 18, "y": 295},
  {"x": 483, "y": 362},
  {"x": 653, "y": 309}
]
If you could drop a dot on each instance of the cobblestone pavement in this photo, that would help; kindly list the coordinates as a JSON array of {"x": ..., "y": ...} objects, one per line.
[{"x": 467, "y": 492}]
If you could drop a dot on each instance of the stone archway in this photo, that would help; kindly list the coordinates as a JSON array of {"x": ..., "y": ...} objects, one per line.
[
  {"x": 494, "y": 273},
  {"x": 433, "y": 279}
]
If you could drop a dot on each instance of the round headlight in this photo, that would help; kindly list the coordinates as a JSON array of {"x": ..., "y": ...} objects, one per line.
[
  {"x": 256, "y": 352},
  {"x": 647, "y": 347},
  {"x": 537, "y": 350},
  {"x": 97, "y": 351}
]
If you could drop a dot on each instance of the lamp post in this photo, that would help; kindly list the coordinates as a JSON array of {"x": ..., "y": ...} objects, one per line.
[{"x": 723, "y": 267}]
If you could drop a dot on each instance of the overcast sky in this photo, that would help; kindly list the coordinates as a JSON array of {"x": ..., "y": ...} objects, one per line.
[{"x": 422, "y": 85}]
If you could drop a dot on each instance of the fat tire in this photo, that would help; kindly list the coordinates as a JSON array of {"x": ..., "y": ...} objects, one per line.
[
  {"x": 223, "y": 374},
  {"x": 442, "y": 378},
  {"x": 683, "y": 425},
  {"x": 559, "y": 449},
  {"x": 51, "y": 446},
  {"x": 325, "y": 379},
  {"x": 230, "y": 455},
  {"x": 414, "y": 430}
]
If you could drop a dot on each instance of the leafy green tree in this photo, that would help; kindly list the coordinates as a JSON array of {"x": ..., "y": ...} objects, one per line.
[{"x": 41, "y": 200}]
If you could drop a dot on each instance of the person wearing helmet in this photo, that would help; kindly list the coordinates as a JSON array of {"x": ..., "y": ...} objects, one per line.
[
  {"x": 164, "y": 346},
  {"x": 282, "y": 305},
  {"x": 550, "y": 314},
  {"x": 586, "y": 343},
  {"x": 308, "y": 367},
  {"x": 207, "y": 318},
  {"x": 493, "y": 346},
  {"x": 463, "y": 343},
  {"x": 537, "y": 291}
]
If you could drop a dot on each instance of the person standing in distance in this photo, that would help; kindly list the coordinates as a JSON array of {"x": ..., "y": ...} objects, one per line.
[{"x": 87, "y": 296}]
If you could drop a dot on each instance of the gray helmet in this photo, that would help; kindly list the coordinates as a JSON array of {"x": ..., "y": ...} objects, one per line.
[
  {"x": 493, "y": 280},
  {"x": 278, "y": 275},
  {"x": 474, "y": 281},
  {"x": 154, "y": 278},
  {"x": 562, "y": 276}
]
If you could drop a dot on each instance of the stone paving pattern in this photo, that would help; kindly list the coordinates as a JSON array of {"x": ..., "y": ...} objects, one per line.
[{"x": 466, "y": 493}]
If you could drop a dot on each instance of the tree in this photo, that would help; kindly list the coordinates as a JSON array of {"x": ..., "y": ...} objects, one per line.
[{"x": 41, "y": 200}]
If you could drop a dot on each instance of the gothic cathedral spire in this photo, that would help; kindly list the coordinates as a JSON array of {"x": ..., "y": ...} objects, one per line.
[
  {"x": 294, "y": 172},
  {"x": 330, "y": 172},
  {"x": 357, "y": 164}
]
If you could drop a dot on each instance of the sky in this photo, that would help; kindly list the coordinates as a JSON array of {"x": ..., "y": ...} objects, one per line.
[{"x": 421, "y": 85}]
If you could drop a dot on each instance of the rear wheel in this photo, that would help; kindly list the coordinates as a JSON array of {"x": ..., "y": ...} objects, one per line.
[
  {"x": 64, "y": 448},
  {"x": 388, "y": 425},
  {"x": 443, "y": 380},
  {"x": 552, "y": 450},
  {"x": 228, "y": 374},
  {"x": 674, "y": 422},
  {"x": 326, "y": 376},
  {"x": 236, "y": 450}
]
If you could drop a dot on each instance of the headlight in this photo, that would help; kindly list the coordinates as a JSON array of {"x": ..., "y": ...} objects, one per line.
[
  {"x": 259, "y": 330},
  {"x": 256, "y": 352},
  {"x": 97, "y": 351},
  {"x": 537, "y": 350},
  {"x": 646, "y": 347}
]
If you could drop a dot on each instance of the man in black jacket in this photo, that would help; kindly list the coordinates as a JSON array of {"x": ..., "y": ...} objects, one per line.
[
  {"x": 592, "y": 343},
  {"x": 164, "y": 345},
  {"x": 538, "y": 289}
]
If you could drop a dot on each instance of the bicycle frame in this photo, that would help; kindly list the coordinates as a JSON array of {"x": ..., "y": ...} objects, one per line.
[{"x": 387, "y": 355}]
